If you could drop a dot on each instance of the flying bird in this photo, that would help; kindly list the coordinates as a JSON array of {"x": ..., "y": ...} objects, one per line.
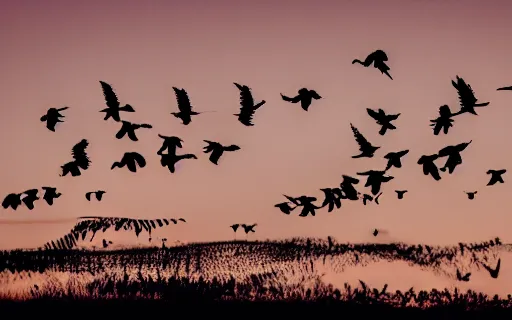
[
  {"x": 377, "y": 58},
  {"x": 348, "y": 189},
  {"x": 400, "y": 193},
  {"x": 377, "y": 198},
  {"x": 444, "y": 121},
  {"x": 429, "y": 166},
  {"x": 496, "y": 176},
  {"x": 247, "y": 106},
  {"x": 453, "y": 154},
  {"x": 235, "y": 228},
  {"x": 332, "y": 198},
  {"x": 305, "y": 97},
  {"x": 366, "y": 148},
  {"x": 285, "y": 207},
  {"x": 182, "y": 220},
  {"x": 383, "y": 119},
  {"x": 185, "y": 108},
  {"x": 366, "y": 198},
  {"x": 471, "y": 195},
  {"x": 106, "y": 243},
  {"x": 170, "y": 160},
  {"x": 113, "y": 105},
  {"x": 464, "y": 278},
  {"x": 80, "y": 160},
  {"x": 98, "y": 194},
  {"x": 375, "y": 179},
  {"x": 248, "y": 228},
  {"x": 131, "y": 160},
  {"x": 128, "y": 128},
  {"x": 217, "y": 150},
  {"x": 50, "y": 193},
  {"x": 493, "y": 272},
  {"x": 505, "y": 89},
  {"x": 394, "y": 159},
  {"x": 30, "y": 196},
  {"x": 52, "y": 117},
  {"x": 467, "y": 99},
  {"x": 169, "y": 143},
  {"x": 12, "y": 200},
  {"x": 375, "y": 232}
]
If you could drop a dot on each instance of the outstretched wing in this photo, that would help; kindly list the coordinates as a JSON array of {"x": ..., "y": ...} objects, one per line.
[
  {"x": 314, "y": 95},
  {"x": 183, "y": 100},
  {"x": 246, "y": 99},
  {"x": 292, "y": 100},
  {"x": 232, "y": 147},
  {"x": 79, "y": 154},
  {"x": 137, "y": 157},
  {"x": 466, "y": 94},
  {"x": 110, "y": 96},
  {"x": 372, "y": 113},
  {"x": 88, "y": 196},
  {"x": 360, "y": 139}
]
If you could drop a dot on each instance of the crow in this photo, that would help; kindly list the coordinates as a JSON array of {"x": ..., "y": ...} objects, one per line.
[{"x": 247, "y": 106}]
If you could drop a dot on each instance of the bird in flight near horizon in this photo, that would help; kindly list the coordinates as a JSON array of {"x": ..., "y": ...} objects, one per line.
[
  {"x": 128, "y": 128},
  {"x": 400, "y": 193},
  {"x": 444, "y": 121},
  {"x": 80, "y": 160},
  {"x": 247, "y": 105},
  {"x": 29, "y": 197},
  {"x": 377, "y": 58},
  {"x": 394, "y": 159},
  {"x": 429, "y": 166},
  {"x": 493, "y": 272},
  {"x": 170, "y": 160},
  {"x": 248, "y": 228},
  {"x": 460, "y": 277},
  {"x": 98, "y": 194},
  {"x": 285, "y": 207},
  {"x": 12, "y": 200},
  {"x": 367, "y": 198},
  {"x": 131, "y": 160},
  {"x": 366, "y": 148},
  {"x": 217, "y": 150},
  {"x": 453, "y": 154},
  {"x": 467, "y": 99},
  {"x": 304, "y": 96},
  {"x": 383, "y": 119},
  {"x": 184, "y": 106},
  {"x": 348, "y": 189},
  {"x": 375, "y": 179},
  {"x": 332, "y": 198},
  {"x": 170, "y": 143},
  {"x": 50, "y": 194},
  {"x": 471, "y": 195},
  {"x": 52, "y": 117},
  {"x": 113, "y": 106},
  {"x": 496, "y": 176}
]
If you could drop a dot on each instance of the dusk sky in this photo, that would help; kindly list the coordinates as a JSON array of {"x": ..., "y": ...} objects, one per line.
[{"x": 54, "y": 53}]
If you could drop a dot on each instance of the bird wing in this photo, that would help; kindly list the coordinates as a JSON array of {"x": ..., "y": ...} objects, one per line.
[
  {"x": 110, "y": 96},
  {"x": 446, "y": 151},
  {"x": 295, "y": 99},
  {"x": 360, "y": 139},
  {"x": 314, "y": 95},
  {"x": 99, "y": 195},
  {"x": 232, "y": 147},
  {"x": 393, "y": 116},
  {"x": 79, "y": 154},
  {"x": 372, "y": 113},
  {"x": 63, "y": 108},
  {"x": 246, "y": 99},
  {"x": 466, "y": 94},
  {"x": 88, "y": 196},
  {"x": 402, "y": 153},
  {"x": 137, "y": 157},
  {"x": 216, "y": 154},
  {"x": 183, "y": 100},
  {"x": 504, "y": 88},
  {"x": 462, "y": 146}
]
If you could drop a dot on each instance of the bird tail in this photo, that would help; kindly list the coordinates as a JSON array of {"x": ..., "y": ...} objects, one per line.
[
  {"x": 116, "y": 165},
  {"x": 127, "y": 108}
]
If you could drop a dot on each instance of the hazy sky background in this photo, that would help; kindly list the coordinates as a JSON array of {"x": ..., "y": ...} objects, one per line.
[{"x": 55, "y": 52}]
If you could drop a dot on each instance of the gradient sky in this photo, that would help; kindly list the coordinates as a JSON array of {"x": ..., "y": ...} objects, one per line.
[{"x": 55, "y": 52}]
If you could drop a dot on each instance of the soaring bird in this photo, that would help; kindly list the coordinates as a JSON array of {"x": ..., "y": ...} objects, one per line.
[
  {"x": 182, "y": 220},
  {"x": 247, "y": 106},
  {"x": 366, "y": 198},
  {"x": 50, "y": 193},
  {"x": 366, "y": 148},
  {"x": 285, "y": 207},
  {"x": 375, "y": 232},
  {"x": 130, "y": 160},
  {"x": 128, "y": 128},
  {"x": 106, "y": 243},
  {"x": 378, "y": 58},
  {"x": 30, "y": 196},
  {"x": 248, "y": 228},
  {"x": 98, "y": 194},
  {"x": 471, "y": 195},
  {"x": 217, "y": 150},
  {"x": 496, "y": 176},
  {"x": 170, "y": 144},
  {"x": 170, "y": 160},
  {"x": 113, "y": 105},
  {"x": 429, "y": 166},
  {"x": 505, "y": 89},
  {"x": 81, "y": 160},
  {"x": 461, "y": 277},
  {"x": 12, "y": 200},
  {"x": 235, "y": 228},
  {"x": 348, "y": 189},
  {"x": 53, "y": 116},
  {"x": 493, "y": 272},
  {"x": 383, "y": 119},
  {"x": 185, "y": 108},
  {"x": 467, "y": 99},
  {"x": 394, "y": 159},
  {"x": 444, "y": 121},
  {"x": 304, "y": 96},
  {"x": 375, "y": 179},
  {"x": 453, "y": 154},
  {"x": 400, "y": 193}
]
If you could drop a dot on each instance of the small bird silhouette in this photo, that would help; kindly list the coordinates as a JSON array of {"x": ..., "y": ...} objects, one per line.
[
  {"x": 128, "y": 128},
  {"x": 131, "y": 160},
  {"x": 366, "y": 198},
  {"x": 366, "y": 148},
  {"x": 305, "y": 97},
  {"x": 106, "y": 244},
  {"x": 493, "y": 272},
  {"x": 453, "y": 154},
  {"x": 394, "y": 159},
  {"x": 235, "y": 228},
  {"x": 182, "y": 220},
  {"x": 471, "y": 195},
  {"x": 247, "y": 106},
  {"x": 505, "y": 89},
  {"x": 460, "y": 277},
  {"x": 375, "y": 232},
  {"x": 12, "y": 200},
  {"x": 184, "y": 106},
  {"x": 81, "y": 160},
  {"x": 113, "y": 105},
  {"x": 429, "y": 167},
  {"x": 496, "y": 176},
  {"x": 383, "y": 119},
  {"x": 50, "y": 193},
  {"x": 169, "y": 143},
  {"x": 53, "y": 116},
  {"x": 248, "y": 228},
  {"x": 98, "y": 194},
  {"x": 375, "y": 179},
  {"x": 170, "y": 160},
  {"x": 332, "y": 198},
  {"x": 377, "y": 198},
  {"x": 307, "y": 205},
  {"x": 400, "y": 193},
  {"x": 348, "y": 189},
  {"x": 378, "y": 58},
  {"x": 444, "y": 121},
  {"x": 217, "y": 150},
  {"x": 467, "y": 99},
  {"x": 285, "y": 207},
  {"x": 173, "y": 220},
  {"x": 29, "y": 197}
]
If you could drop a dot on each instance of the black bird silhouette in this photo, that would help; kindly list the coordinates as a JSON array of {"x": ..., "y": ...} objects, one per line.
[
  {"x": 332, "y": 198},
  {"x": 113, "y": 105},
  {"x": 471, "y": 195},
  {"x": 285, "y": 207},
  {"x": 248, "y": 228},
  {"x": 129, "y": 128},
  {"x": 496, "y": 176},
  {"x": 505, "y": 89},
  {"x": 235, "y": 228},
  {"x": 81, "y": 160},
  {"x": 182, "y": 220},
  {"x": 12, "y": 200},
  {"x": 375, "y": 179},
  {"x": 467, "y": 99},
  {"x": 170, "y": 143},
  {"x": 444, "y": 121},
  {"x": 453, "y": 154},
  {"x": 493, "y": 272},
  {"x": 429, "y": 167},
  {"x": 366, "y": 198},
  {"x": 98, "y": 194},
  {"x": 217, "y": 150},
  {"x": 307, "y": 205},
  {"x": 383, "y": 119},
  {"x": 184, "y": 106},
  {"x": 377, "y": 198},
  {"x": 247, "y": 106},
  {"x": 106, "y": 244},
  {"x": 173, "y": 220},
  {"x": 130, "y": 160},
  {"x": 305, "y": 97},
  {"x": 170, "y": 160},
  {"x": 400, "y": 193},
  {"x": 375, "y": 232},
  {"x": 348, "y": 189},
  {"x": 30, "y": 197},
  {"x": 366, "y": 148},
  {"x": 53, "y": 116},
  {"x": 394, "y": 159},
  {"x": 378, "y": 58},
  {"x": 460, "y": 277},
  {"x": 50, "y": 193}
]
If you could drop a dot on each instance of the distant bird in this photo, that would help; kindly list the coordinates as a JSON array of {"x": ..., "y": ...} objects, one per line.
[
  {"x": 471, "y": 195},
  {"x": 106, "y": 244},
  {"x": 50, "y": 193},
  {"x": 366, "y": 198},
  {"x": 383, "y": 119},
  {"x": 113, "y": 105},
  {"x": 332, "y": 198},
  {"x": 496, "y": 176},
  {"x": 12, "y": 200},
  {"x": 394, "y": 159},
  {"x": 377, "y": 198},
  {"x": 235, "y": 228},
  {"x": 248, "y": 228},
  {"x": 98, "y": 194},
  {"x": 53, "y": 116},
  {"x": 378, "y": 58},
  {"x": 493, "y": 272},
  {"x": 467, "y": 99},
  {"x": 129, "y": 128},
  {"x": 375, "y": 179},
  {"x": 348, "y": 189},
  {"x": 366, "y": 148},
  {"x": 247, "y": 106},
  {"x": 285, "y": 207},
  {"x": 429, "y": 167},
  {"x": 170, "y": 160},
  {"x": 400, "y": 193},
  {"x": 217, "y": 150},
  {"x": 173, "y": 220},
  {"x": 307, "y": 205},
  {"x": 184, "y": 106},
  {"x": 444, "y": 121},
  {"x": 30, "y": 198},
  {"x": 81, "y": 160},
  {"x": 304, "y": 96},
  {"x": 131, "y": 160},
  {"x": 169, "y": 143},
  {"x": 505, "y": 89},
  {"x": 182, "y": 220},
  {"x": 375, "y": 232},
  {"x": 453, "y": 154},
  {"x": 460, "y": 277}
]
